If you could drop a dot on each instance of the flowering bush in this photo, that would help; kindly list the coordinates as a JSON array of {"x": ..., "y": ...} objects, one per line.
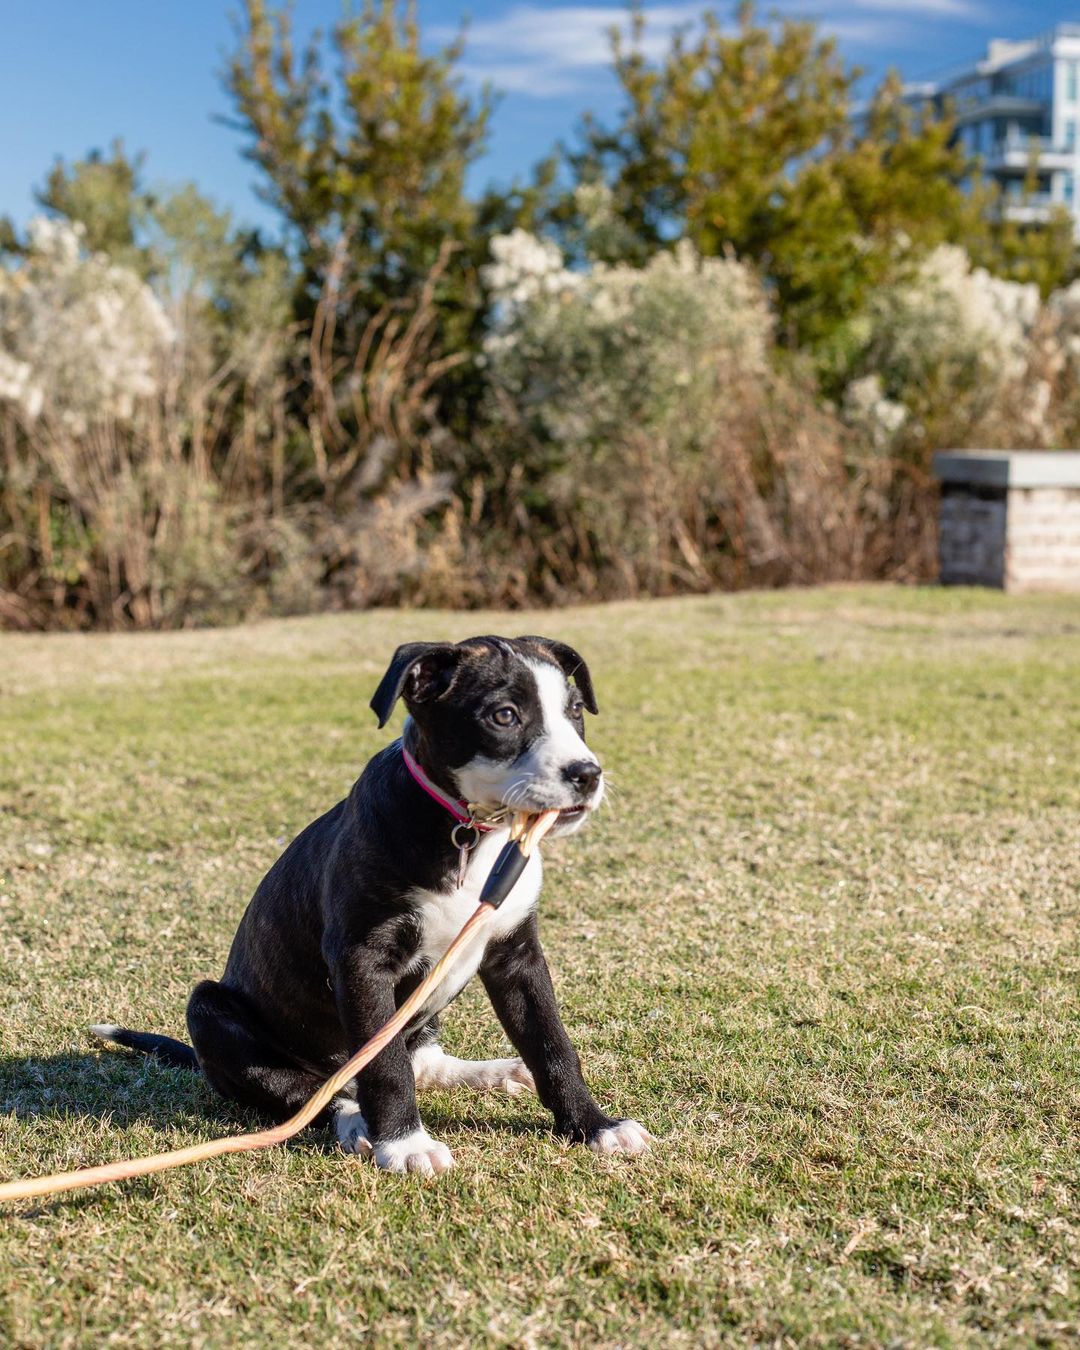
[
  {"x": 81, "y": 338},
  {"x": 637, "y": 414},
  {"x": 584, "y": 357},
  {"x": 944, "y": 351},
  {"x": 876, "y": 419}
]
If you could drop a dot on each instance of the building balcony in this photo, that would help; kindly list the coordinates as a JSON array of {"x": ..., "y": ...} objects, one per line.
[
  {"x": 978, "y": 109},
  {"x": 1015, "y": 152},
  {"x": 1033, "y": 209}
]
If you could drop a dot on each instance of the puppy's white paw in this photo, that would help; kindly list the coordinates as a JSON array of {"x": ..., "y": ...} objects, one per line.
[
  {"x": 415, "y": 1152},
  {"x": 625, "y": 1136},
  {"x": 351, "y": 1129},
  {"x": 499, "y": 1075},
  {"x": 519, "y": 1079},
  {"x": 436, "y": 1069}
]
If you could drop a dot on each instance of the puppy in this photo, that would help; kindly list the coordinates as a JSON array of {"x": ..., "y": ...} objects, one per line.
[{"x": 361, "y": 904}]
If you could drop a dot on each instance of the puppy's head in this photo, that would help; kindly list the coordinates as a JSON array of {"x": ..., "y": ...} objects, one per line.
[{"x": 500, "y": 722}]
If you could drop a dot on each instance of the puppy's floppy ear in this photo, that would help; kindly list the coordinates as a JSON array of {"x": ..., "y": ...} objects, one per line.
[
  {"x": 420, "y": 671},
  {"x": 572, "y": 664}
]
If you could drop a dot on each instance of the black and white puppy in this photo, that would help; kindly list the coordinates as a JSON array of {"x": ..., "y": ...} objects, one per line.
[{"x": 361, "y": 904}]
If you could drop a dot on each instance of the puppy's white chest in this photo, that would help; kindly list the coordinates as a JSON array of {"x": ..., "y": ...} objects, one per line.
[{"x": 442, "y": 917}]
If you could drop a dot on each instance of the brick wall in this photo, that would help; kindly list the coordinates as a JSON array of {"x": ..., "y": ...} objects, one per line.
[{"x": 1042, "y": 541}]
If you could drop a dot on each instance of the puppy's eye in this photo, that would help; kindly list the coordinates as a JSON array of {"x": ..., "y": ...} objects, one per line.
[
  {"x": 505, "y": 717},
  {"x": 577, "y": 708}
]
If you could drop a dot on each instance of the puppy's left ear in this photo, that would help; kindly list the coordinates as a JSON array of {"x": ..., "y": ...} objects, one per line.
[
  {"x": 572, "y": 664},
  {"x": 420, "y": 671}
]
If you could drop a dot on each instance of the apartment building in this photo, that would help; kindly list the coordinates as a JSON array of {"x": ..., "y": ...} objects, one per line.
[{"x": 1018, "y": 109}]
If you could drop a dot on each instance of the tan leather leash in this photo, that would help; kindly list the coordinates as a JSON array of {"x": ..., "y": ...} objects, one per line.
[{"x": 525, "y": 835}]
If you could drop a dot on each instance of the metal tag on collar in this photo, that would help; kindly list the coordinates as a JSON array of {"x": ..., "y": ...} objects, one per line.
[
  {"x": 491, "y": 819},
  {"x": 464, "y": 845}
]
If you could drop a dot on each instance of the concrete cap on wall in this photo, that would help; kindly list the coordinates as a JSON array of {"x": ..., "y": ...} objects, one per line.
[{"x": 1009, "y": 468}]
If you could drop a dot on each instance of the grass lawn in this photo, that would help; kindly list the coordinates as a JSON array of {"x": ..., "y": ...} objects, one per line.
[{"x": 823, "y": 942}]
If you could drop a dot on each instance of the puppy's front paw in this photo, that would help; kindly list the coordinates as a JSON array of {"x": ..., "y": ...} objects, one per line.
[
  {"x": 625, "y": 1136},
  {"x": 415, "y": 1152}
]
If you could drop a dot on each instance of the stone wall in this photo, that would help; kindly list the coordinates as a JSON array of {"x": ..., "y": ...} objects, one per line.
[
  {"x": 971, "y": 535},
  {"x": 1042, "y": 545},
  {"x": 1010, "y": 518}
]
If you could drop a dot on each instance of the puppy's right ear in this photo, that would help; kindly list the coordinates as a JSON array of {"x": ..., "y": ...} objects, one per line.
[{"x": 420, "y": 671}]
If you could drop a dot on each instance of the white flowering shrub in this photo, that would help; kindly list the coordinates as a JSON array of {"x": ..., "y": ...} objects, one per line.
[
  {"x": 942, "y": 346},
  {"x": 524, "y": 269},
  {"x": 876, "y": 419},
  {"x": 637, "y": 415},
  {"x": 81, "y": 339},
  {"x": 1064, "y": 307},
  {"x": 583, "y": 356}
]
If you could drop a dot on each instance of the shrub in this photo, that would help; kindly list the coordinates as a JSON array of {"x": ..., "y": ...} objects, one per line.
[
  {"x": 644, "y": 441},
  {"x": 152, "y": 470},
  {"x": 946, "y": 358}
]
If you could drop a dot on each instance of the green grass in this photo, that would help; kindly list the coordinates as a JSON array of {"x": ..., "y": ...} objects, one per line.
[{"x": 823, "y": 942}]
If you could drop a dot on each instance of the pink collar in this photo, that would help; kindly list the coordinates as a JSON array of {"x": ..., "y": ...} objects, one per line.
[{"x": 457, "y": 808}]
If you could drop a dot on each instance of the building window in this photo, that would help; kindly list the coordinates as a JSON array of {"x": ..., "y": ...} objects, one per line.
[
  {"x": 1070, "y": 82},
  {"x": 1070, "y": 134},
  {"x": 1070, "y": 189}
]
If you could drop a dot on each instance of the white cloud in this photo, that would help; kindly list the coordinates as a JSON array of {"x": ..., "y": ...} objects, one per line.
[
  {"x": 552, "y": 50},
  {"x": 944, "y": 9},
  {"x": 573, "y": 35},
  {"x": 541, "y": 80},
  {"x": 866, "y": 32},
  {"x": 548, "y": 51}
]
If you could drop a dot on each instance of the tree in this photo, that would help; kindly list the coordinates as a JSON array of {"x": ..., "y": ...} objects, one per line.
[
  {"x": 747, "y": 140},
  {"x": 107, "y": 197},
  {"x": 371, "y": 165},
  {"x": 1043, "y": 252},
  {"x": 708, "y": 136},
  {"x": 880, "y": 196}
]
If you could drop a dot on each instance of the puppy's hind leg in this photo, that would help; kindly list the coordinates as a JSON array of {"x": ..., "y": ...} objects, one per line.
[
  {"x": 241, "y": 1061},
  {"x": 239, "y": 1057},
  {"x": 434, "y": 1068}
]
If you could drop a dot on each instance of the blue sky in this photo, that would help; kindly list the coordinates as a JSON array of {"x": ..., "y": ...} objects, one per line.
[{"x": 74, "y": 74}]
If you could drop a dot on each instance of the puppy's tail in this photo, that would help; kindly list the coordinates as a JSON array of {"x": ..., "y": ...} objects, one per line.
[{"x": 164, "y": 1048}]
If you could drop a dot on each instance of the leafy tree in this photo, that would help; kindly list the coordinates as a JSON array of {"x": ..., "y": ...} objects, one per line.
[
  {"x": 708, "y": 136},
  {"x": 882, "y": 194},
  {"x": 106, "y": 195},
  {"x": 1043, "y": 252},
  {"x": 371, "y": 164},
  {"x": 747, "y": 140}
]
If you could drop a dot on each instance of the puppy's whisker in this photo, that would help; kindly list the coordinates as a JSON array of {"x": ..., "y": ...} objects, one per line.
[{"x": 515, "y": 794}]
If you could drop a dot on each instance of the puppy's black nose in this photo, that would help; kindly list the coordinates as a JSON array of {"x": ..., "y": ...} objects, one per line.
[{"x": 583, "y": 774}]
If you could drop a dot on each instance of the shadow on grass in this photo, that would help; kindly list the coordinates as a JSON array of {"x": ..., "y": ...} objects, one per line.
[
  {"x": 114, "y": 1088},
  {"x": 124, "y": 1090}
]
